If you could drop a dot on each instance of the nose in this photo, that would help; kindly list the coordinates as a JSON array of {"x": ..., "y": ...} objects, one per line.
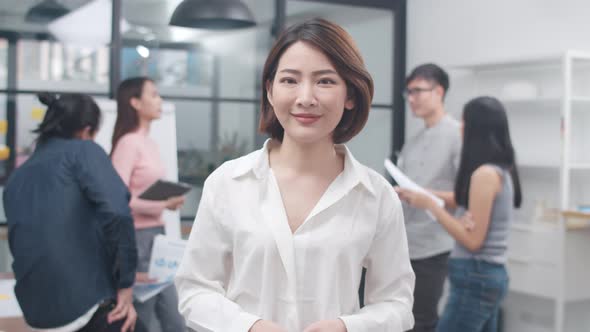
[{"x": 306, "y": 97}]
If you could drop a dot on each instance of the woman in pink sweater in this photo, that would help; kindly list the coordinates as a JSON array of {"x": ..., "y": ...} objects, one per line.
[{"x": 136, "y": 158}]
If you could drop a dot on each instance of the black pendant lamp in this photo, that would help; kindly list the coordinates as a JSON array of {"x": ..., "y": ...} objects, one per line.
[
  {"x": 45, "y": 12},
  {"x": 212, "y": 14}
]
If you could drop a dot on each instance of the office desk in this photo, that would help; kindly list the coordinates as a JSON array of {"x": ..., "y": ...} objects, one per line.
[{"x": 12, "y": 324}]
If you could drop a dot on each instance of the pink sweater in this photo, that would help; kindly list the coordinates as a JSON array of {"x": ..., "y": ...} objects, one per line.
[{"x": 137, "y": 160}]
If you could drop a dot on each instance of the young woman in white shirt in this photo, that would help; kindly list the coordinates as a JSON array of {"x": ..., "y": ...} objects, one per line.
[{"x": 282, "y": 234}]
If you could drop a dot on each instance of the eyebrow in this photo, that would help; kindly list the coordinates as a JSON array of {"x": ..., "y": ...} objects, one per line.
[{"x": 315, "y": 73}]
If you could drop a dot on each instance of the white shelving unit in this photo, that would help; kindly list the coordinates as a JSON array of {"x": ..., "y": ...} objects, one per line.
[{"x": 548, "y": 105}]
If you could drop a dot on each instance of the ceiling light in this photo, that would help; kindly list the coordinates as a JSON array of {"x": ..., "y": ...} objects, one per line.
[
  {"x": 212, "y": 14},
  {"x": 143, "y": 51},
  {"x": 45, "y": 12}
]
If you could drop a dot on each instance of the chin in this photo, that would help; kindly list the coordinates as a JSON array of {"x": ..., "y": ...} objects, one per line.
[{"x": 308, "y": 137}]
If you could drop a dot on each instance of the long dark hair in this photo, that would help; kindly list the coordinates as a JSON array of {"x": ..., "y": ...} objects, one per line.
[
  {"x": 486, "y": 140},
  {"x": 127, "y": 117},
  {"x": 66, "y": 115}
]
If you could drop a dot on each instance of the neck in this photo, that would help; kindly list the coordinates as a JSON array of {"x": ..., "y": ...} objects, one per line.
[
  {"x": 303, "y": 158},
  {"x": 432, "y": 119},
  {"x": 144, "y": 126}
]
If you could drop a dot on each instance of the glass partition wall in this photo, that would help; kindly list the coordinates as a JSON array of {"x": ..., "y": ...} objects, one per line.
[{"x": 211, "y": 76}]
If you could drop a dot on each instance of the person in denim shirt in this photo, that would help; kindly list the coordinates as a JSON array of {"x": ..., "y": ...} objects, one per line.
[{"x": 70, "y": 228}]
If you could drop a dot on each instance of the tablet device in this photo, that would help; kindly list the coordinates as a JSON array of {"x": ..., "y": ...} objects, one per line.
[{"x": 161, "y": 190}]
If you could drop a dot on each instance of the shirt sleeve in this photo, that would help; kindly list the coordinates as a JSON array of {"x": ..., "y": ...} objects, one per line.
[
  {"x": 202, "y": 276},
  {"x": 125, "y": 158},
  {"x": 103, "y": 187},
  {"x": 401, "y": 158},
  {"x": 389, "y": 282}
]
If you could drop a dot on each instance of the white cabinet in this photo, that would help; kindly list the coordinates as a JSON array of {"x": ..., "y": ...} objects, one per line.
[{"x": 548, "y": 104}]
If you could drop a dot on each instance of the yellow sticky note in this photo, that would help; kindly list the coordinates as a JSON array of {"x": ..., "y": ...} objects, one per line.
[
  {"x": 37, "y": 113},
  {"x": 4, "y": 152},
  {"x": 4, "y": 297},
  {"x": 3, "y": 127}
]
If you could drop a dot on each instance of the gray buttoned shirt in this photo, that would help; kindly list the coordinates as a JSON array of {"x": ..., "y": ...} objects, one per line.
[{"x": 431, "y": 159}]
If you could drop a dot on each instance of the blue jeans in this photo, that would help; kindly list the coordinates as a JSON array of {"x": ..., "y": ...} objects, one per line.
[{"x": 477, "y": 291}]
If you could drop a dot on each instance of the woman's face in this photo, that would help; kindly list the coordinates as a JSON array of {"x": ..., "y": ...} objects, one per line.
[
  {"x": 308, "y": 96},
  {"x": 149, "y": 105}
]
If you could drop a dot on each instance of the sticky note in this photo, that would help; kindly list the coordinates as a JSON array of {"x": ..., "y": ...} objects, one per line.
[
  {"x": 4, "y": 152},
  {"x": 3, "y": 127},
  {"x": 37, "y": 113}
]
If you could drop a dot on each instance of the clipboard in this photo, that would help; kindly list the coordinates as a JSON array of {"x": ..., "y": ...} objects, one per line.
[{"x": 161, "y": 190}]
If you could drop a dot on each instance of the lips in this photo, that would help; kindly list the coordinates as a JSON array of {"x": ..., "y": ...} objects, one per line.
[{"x": 306, "y": 118}]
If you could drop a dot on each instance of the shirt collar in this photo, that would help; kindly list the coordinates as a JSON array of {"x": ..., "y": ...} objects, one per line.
[{"x": 258, "y": 164}]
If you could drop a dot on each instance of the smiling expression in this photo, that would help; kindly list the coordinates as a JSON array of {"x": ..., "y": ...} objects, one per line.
[{"x": 307, "y": 94}]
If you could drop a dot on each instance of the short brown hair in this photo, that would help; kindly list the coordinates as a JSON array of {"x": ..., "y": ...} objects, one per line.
[{"x": 341, "y": 49}]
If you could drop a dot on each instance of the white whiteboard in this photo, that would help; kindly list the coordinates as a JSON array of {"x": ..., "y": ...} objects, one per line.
[{"x": 163, "y": 131}]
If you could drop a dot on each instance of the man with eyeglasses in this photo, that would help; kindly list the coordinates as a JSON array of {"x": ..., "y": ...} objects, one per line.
[{"x": 431, "y": 159}]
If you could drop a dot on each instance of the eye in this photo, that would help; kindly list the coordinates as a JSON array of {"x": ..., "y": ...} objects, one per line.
[
  {"x": 326, "y": 80},
  {"x": 287, "y": 80}
]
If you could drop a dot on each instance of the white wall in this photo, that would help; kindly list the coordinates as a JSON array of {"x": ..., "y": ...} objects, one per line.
[
  {"x": 454, "y": 32},
  {"x": 460, "y": 31}
]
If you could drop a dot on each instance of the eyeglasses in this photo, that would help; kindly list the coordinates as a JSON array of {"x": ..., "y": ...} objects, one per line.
[{"x": 415, "y": 91}]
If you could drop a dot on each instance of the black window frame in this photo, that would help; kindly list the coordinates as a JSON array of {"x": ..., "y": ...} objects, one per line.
[{"x": 398, "y": 8}]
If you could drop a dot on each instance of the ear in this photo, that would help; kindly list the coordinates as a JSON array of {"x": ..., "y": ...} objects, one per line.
[
  {"x": 135, "y": 102},
  {"x": 440, "y": 91},
  {"x": 268, "y": 86},
  {"x": 349, "y": 104}
]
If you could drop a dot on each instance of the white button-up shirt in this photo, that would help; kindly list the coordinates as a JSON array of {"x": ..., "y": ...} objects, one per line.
[{"x": 243, "y": 263}]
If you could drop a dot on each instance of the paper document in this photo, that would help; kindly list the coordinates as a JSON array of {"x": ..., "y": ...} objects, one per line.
[
  {"x": 145, "y": 291},
  {"x": 406, "y": 183},
  {"x": 166, "y": 256}
]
